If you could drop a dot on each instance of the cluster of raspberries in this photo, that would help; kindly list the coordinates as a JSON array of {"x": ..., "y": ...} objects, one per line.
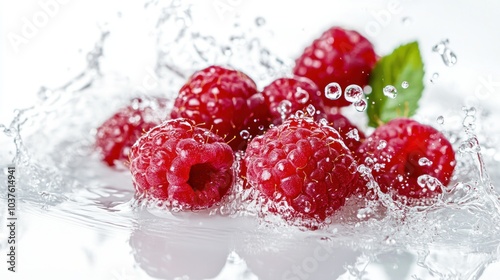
[{"x": 301, "y": 155}]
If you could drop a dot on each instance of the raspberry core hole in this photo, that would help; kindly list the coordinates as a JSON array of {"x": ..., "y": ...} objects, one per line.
[{"x": 201, "y": 175}]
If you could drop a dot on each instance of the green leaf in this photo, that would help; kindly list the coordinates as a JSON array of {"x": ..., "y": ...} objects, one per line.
[{"x": 403, "y": 64}]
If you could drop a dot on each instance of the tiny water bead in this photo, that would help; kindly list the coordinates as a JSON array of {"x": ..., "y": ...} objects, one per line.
[
  {"x": 360, "y": 105},
  {"x": 353, "y": 134},
  {"x": 390, "y": 91},
  {"x": 367, "y": 89},
  {"x": 434, "y": 77},
  {"x": 245, "y": 134},
  {"x": 353, "y": 93},
  {"x": 447, "y": 55},
  {"x": 260, "y": 21},
  {"x": 405, "y": 84},
  {"x": 311, "y": 111},
  {"x": 381, "y": 144},
  {"x": 440, "y": 120},
  {"x": 284, "y": 107},
  {"x": 333, "y": 91},
  {"x": 424, "y": 162},
  {"x": 301, "y": 95}
]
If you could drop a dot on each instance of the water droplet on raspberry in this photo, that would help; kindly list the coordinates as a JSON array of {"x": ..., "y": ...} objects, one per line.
[
  {"x": 261, "y": 127},
  {"x": 405, "y": 84},
  {"x": 353, "y": 134},
  {"x": 381, "y": 144},
  {"x": 440, "y": 120},
  {"x": 333, "y": 91},
  {"x": 284, "y": 107},
  {"x": 390, "y": 91},
  {"x": 310, "y": 110},
  {"x": 360, "y": 105},
  {"x": 424, "y": 162},
  {"x": 353, "y": 93},
  {"x": 301, "y": 95},
  {"x": 323, "y": 122},
  {"x": 299, "y": 114},
  {"x": 245, "y": 134}
]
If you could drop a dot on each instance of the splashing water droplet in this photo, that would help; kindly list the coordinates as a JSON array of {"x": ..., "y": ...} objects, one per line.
[
  {"x": 353, "y": 134},
  {"x": 434, "y": 77},
  {"x": 333, "y": 91},
  {"x": 447, "y": 55},
  {"x": 245, "y": 134},
  {"x": 301, "y": 95},
  {"x": 353, "y": 93},
  {"x": 284, "y": 107},
  {"x": 381, "y": 144},
  {"x": 405, "y": 84},
  {"x": 406, "y": 21},
  {"x": 310, "y": 110},
  {"x": 367, "y": 89},
  {"x": 429, "y": 182},
  {"x": 360, "y": 105},
  {"x": 424, "y": 162},
  {"x": 390, "y": 91},
  {"x": 440, "y": 120},
  {"x": 260, "y": 21},
  {"x": 323, "y": 122}
]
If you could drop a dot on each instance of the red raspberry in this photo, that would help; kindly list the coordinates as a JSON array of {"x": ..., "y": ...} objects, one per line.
[
  {"x": 118, "y": 133},
  {"x": 224, "y": 101},
  {"x": 302, "y": 169},
  {"x": 183, "y": 164},
  {"x": 403, "y": 153},
  {"x": 339, "y": 55},
  {"x": 288, "y": 95},
  {"x": 353, "y": 136}
]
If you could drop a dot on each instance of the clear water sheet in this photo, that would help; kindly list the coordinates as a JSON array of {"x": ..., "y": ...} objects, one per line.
[{"x": 80, "y": 220}]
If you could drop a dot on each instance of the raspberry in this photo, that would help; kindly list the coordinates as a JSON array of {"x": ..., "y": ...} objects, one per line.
[
  {"x": 183, "y": 164},
  {"x": 339, "y": 55},
  {"x": 224, "y": 101},
  {"x": 403, "y": 154},
  {"x": 302, "y": 169},
  {"x": 118, "y": 133},
  {"x": 285, "y": 96},
  {"x": 353, "y": 136}
]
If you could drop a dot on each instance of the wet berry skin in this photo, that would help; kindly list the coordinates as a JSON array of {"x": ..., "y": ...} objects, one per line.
[
  {"x": 296, "y": 93},
  {"x": 116, "y": 135},
  {"x": 225, "y": 101},
  {"x": 351, "y": 134},
  {"x": 338, "y": 55},
  {"x": 403, "y": 153},
  {"x": 302, "y": 169},
  {"x": 183, "y": 164}
]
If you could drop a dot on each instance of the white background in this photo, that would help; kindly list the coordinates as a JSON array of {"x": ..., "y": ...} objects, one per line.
[{"x": 55, "y": 52}]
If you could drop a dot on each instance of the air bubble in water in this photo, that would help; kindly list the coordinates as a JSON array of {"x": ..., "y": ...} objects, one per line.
[
  {"x": 405, "y": 84},
  {"x": 440, "y": 120},
  {"x": 333, "y": 91},
  {"x": 406, "y": 21},
  {"x": 390, "y": 91},
  {"x": 301, "y": 95},
  {"x": 245, "y": 134},
  {"x": 360, "y": 105},
  {"x": 424, "y": 162},
  {"x": 353, "y": 93}
]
